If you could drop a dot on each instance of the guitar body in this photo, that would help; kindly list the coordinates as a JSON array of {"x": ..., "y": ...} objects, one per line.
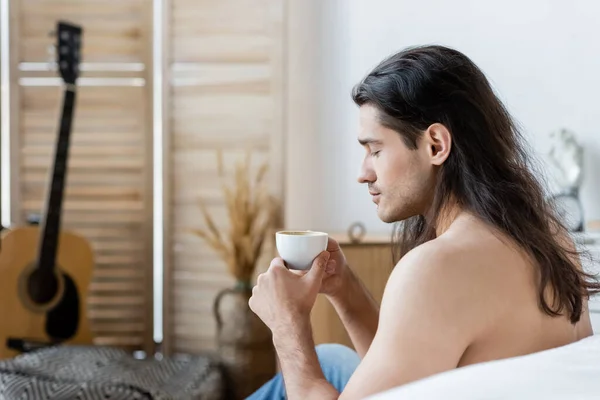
[{"x": 64, "y": 318}]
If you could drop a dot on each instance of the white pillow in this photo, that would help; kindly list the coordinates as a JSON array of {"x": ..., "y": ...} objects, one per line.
[{"x": 570, "y": 372}]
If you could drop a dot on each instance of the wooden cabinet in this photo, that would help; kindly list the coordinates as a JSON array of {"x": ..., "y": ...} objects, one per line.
[{"x": 371, "y": 260}]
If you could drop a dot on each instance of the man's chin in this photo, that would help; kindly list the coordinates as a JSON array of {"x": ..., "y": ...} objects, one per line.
[
  {"x": 391, "y": 217},
  {"x": 385, "y": 216}
]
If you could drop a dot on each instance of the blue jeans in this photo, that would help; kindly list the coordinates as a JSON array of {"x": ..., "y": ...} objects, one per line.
[{"x": 338, "y": 363}]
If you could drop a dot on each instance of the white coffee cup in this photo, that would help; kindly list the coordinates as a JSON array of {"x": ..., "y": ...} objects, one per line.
[{"x": 299, "y": 248}]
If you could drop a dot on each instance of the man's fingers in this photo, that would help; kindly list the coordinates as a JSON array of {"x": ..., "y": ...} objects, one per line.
[
  {"x": 277, "y": 261},
  {"x": 277, "y": 267},
  {"x": 332, "y": 245},
  {"x": 318, "y": 266},
  {"x": 299, "y": 272},
  {"x": 330, "y": 267}
]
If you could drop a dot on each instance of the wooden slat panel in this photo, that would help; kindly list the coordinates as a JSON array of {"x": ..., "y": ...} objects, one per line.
[
  {"x": 112, "y": 28},
  {"x": 121, "y": 301},
  {"x": 194, "y": 18},
  {"x": 107, "y": 197},
  {"x": 104, "y": 198},
  {"x": 118, "y": 273},
  {"x": 97, "y": 177},
  {"x": 121, "y": 341},
  {"x": 222, "y": 31},
  {"x": 225, "y": 89}
]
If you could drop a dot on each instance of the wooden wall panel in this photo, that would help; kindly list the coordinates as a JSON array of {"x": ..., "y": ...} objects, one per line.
[
  {"x": 226, "y": 93},
  {"x": 104, "y": 199},
  {"x": 107, "y": 197},
  {"x": 114, "y": 29}
]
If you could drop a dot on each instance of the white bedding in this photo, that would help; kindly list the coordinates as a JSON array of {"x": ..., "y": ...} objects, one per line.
[{"x": 570, "y": 372}]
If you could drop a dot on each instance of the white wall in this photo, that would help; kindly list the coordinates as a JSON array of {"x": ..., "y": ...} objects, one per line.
[{"x": 543, "y": 58}]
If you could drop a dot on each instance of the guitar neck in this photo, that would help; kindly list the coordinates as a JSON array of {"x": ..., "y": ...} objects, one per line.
[{"x": 51, "y": 223}]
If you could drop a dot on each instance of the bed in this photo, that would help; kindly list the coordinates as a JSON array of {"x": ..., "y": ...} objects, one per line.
[{"x": 570, "y": 372}]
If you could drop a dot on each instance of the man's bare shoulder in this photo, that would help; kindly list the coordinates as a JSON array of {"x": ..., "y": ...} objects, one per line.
[
  {"x": 463, "y": 272},
  {"x": 469, "y": 244},
  {"x": 440, "y": 300},
  {"x": 464, "y": 255}
]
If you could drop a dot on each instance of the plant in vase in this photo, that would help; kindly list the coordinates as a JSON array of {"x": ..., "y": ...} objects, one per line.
[{"x": 244, "y": 342}]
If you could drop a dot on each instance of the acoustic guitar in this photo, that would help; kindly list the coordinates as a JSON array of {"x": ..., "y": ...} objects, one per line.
[{"x": 45, "y": 272}]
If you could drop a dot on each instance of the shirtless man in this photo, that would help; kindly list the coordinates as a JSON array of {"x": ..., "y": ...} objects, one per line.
[{"x": 485, "y": 269}]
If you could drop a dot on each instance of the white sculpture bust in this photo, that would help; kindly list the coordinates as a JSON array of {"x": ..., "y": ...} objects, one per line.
[{"x": 566, "y": 160}]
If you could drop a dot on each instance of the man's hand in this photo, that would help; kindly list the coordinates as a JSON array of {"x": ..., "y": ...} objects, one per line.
[
  {"x": 352, "y": 301},
  {"x": 282, "y": 298},
  {"x": 336, "y": 272}
]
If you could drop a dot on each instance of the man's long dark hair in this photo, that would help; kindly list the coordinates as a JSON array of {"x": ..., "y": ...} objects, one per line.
[{"x": 489, "y": 172}]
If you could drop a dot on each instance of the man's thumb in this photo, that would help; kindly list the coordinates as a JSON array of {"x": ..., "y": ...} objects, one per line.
[{"x": 318, "y": 266}]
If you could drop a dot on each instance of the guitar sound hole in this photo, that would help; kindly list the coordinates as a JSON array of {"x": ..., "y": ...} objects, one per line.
[{"x": 42, "y": 286}]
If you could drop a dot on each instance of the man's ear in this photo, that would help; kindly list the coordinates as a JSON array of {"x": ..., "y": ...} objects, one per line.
[{"x": 438, "y": 142}]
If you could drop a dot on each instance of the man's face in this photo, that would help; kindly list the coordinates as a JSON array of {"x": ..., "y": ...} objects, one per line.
[{"x": 399, "y": 179}]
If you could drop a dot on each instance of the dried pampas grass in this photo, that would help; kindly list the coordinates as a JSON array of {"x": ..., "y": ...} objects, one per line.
[{"x": 252, "y": 212}]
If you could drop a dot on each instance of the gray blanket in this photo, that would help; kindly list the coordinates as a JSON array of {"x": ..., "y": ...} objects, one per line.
[{"x": 95, "y": 372}]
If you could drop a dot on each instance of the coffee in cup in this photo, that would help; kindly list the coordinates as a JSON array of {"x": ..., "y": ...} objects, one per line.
[{"x": 299, "y": 248}]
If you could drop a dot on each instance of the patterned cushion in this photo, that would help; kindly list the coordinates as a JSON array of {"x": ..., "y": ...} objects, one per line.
[{"x": 96, "y": 372}]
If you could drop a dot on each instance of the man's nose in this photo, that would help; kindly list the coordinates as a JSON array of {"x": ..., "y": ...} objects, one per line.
[{"x": 366, "y": 174}]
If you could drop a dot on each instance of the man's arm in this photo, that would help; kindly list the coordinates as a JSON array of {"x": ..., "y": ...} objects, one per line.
[
  {"x": 429, "y": 316},
  {"x": 358, "y": 311},
  {"x": 302, "y": 373}
]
